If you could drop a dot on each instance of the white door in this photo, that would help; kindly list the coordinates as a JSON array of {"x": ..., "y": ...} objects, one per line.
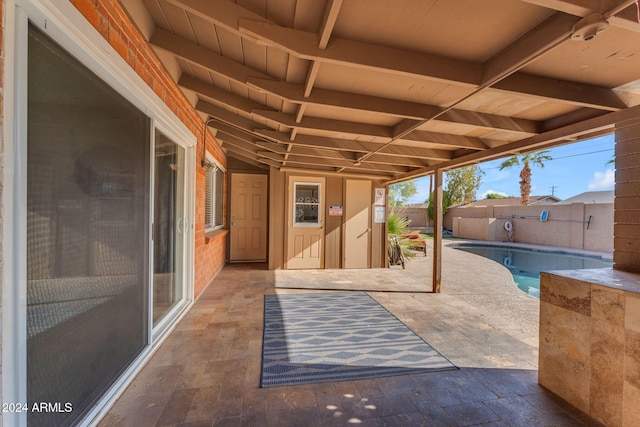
[{"x": 305, "y": 223}]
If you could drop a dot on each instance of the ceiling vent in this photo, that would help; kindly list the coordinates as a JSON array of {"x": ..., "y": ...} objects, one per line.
[{"x": 589, "y": 27}]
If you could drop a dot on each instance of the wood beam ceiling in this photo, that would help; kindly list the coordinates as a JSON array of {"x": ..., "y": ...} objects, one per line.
[
  {"x": 500, "y": 73},
  {"x": 627, "y": 18},
  {"x": 354, "y": 54}
]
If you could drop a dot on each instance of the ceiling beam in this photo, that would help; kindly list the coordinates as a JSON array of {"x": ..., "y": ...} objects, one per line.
[
  {"x": 322, "y": 97},
  {"x": 243, "y": 129},
  {"x": 363, "y": 55},
  {"x": 300, "y": 150},
  {"x": 242, "y": 134},
  {"x": 328, "y": 22},
  {"x": 332, "y": 98},
  {"x": 328, "y": 125},
  {"x": 221, "y": 96},
  {"x": 540, "y": 40},
  {"x": 246, "y": 159},
  {"x": 227, "y": 117},
  {"x": 357, "y": 146},
  {"x": 580, "y": 8},
  {"x": 238, "y": 144},
  {"x": 337, "y": 163},
  {"x": 317, "y": 141},
  {"x": 203, "y": 57},
  {"x": 397, "y": 160},
  {"x": 355, "y": 128},
  {"x": 392, "y": 107},
  {"x": 230, "y": 146},
  {"x": 563, "y": 91},
  {"x": 627, "y": 18},
  {"x": 570, "y": 118},
  {"x": 306, "y": 170},
  {"x": 307, "y": 45},
  {"x": 446, "y": 139},
  {"x": 490, "y": 121},
  {"x": 227, "y": 14}
]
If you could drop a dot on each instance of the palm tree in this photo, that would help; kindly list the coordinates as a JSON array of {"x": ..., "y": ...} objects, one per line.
[{"x": 536, "y": 158}]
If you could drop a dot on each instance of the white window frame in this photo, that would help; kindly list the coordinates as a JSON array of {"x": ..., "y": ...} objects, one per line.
[
  {"x": 212, "y": 186},
  {"x": 295, "y": 204},
  {"x": 64, "y": 24}
]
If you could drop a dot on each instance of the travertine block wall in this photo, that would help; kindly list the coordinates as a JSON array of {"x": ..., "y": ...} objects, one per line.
[
  {"x": 626, "y": 254},
  {"x": 590, "y": 342}
]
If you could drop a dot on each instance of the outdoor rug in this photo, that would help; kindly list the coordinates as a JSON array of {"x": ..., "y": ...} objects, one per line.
[{"x": 337, "y": 336}]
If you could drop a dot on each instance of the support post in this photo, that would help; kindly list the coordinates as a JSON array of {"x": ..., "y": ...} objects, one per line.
[{"x": 437, "y": 230}]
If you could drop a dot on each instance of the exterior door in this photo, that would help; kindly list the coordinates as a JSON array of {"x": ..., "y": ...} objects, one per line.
[
  {"x": 168, "y": 226},
  {"x": 305, "y": 223},
  {"x": 248, "y": 231},
  {"x": 357, "y": 228}
]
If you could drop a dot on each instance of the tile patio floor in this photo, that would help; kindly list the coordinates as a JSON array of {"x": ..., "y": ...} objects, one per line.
[{"x": 207, "y": 372}]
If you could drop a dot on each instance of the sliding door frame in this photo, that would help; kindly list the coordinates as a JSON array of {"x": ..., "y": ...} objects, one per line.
[{"x": 62, "y": 22}]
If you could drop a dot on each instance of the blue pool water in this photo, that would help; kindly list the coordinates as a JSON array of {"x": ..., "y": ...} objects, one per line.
[{"x": 526, "y": 264}]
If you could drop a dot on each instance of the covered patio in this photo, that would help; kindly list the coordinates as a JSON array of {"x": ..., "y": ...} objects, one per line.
[
  {"x": 207, "y": 372},
  {"x": 133, "y": 129}
]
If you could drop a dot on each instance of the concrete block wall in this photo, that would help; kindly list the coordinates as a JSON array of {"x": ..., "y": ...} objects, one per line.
[
  {"x": 471, "y": 224},
  {"x": 112, "y": 22},
  {"x": 626, "y": 255},
  {"x": 476, "y": 228}
]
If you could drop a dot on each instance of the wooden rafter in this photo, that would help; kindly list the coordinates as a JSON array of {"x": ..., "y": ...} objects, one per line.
[
  {"x": 539, "y": 40},
  {"x": 326, "y": 98}
]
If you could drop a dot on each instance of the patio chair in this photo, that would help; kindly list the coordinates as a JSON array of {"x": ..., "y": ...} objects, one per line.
[{"x": 415, "y": 241}]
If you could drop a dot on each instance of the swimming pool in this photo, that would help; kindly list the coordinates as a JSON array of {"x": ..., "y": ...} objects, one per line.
[{"x": 526, "y": 264}]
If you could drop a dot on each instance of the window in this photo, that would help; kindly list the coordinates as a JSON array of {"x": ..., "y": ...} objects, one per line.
[
  {"x": 214, "y": 203},
  {"x": 306, "y": 204}
]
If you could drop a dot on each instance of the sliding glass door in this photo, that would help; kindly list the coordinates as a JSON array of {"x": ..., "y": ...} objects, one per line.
[
  {"x": 168, "y": 226},
  {"x": 108, "y": 241},
  {"x": 88, "y": 209}
]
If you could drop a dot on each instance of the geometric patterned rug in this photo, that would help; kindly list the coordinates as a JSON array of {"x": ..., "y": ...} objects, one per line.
[{"x": 337, "y": 336}]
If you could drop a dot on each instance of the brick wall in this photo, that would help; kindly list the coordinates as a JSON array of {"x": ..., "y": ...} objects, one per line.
[
  {"x": 626, "y": 253},
  {"x": 112, "y": 22}
]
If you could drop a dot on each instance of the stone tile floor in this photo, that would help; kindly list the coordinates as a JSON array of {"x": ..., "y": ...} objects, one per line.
[{"x": 207, "y": 372}]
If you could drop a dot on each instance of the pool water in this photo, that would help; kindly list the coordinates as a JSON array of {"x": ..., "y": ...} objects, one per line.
[{"x": 526, "y": 264}]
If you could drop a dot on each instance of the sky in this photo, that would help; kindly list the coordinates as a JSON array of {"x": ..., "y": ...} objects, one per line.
[{"x": 574, "y": 169}]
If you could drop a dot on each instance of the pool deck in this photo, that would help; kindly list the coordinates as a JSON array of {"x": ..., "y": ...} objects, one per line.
[{"x": 207, "y": 371}]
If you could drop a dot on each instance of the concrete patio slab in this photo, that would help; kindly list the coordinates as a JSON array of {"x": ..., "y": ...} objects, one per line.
[{"x": 207, "y": 372}]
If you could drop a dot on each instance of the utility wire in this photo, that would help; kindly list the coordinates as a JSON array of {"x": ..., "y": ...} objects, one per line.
[{"x": 566, "y": 157}]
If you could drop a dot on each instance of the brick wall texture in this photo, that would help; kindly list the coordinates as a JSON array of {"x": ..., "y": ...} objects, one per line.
[
  {"x": 626, "y": 253},
  {"x": 113, "y": 23}
]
